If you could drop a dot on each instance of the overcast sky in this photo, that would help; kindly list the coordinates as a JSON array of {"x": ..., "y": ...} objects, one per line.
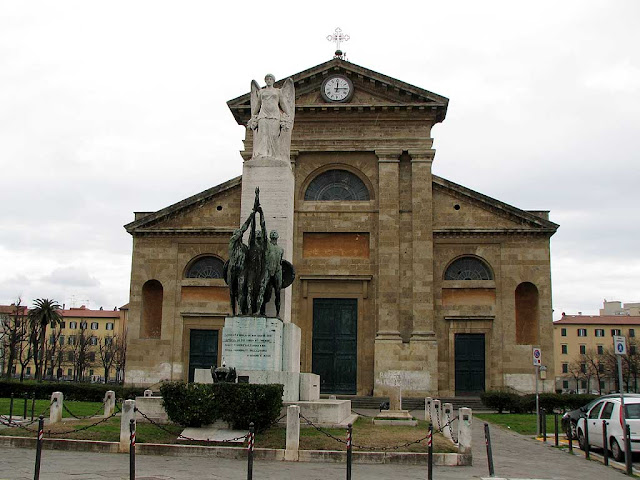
[{"x": 107, "y": 108}]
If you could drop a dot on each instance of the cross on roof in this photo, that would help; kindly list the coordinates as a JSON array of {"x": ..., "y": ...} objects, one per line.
[{"x": 338, "y": 37}]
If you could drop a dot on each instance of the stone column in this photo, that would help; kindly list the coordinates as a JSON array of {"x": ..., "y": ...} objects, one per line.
[
  {"x": 422, "y": 226},
  {"x": 388, "y": 245},
  {"x": 447, "y": 416},
  {"x": 293, "y": 433},
  {"x": 128, "y": 414},
  {"x": 464, "y": 431},
  {"x": 55, "y": 410},
  {"x": 109, "y": 403},
  {"x": 276, "y": 182},
  {"x": 437, "y": 414}
]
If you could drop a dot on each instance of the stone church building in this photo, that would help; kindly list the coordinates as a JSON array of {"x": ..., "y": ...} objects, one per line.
[{"x": 402, "y": 277}]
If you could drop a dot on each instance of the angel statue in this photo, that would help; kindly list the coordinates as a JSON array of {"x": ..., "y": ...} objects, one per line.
[{"x": 272, "y": 113}]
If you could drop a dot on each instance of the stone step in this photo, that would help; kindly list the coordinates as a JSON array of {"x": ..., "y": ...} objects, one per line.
[{"x": 366, "y": 402}]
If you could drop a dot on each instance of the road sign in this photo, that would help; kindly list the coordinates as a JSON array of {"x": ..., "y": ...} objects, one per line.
[
  {"x": 620, "y": 345},
  {"x": 537, "y": 357}
]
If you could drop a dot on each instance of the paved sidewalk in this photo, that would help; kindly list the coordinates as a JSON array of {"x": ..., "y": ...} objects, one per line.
[{"x": 515, "y": 456}]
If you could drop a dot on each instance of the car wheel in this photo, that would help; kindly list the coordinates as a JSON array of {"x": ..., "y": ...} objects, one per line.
[
  {"x": 574, "y": 427},
  {"x": 581, "y": 442},
  {"x": 616, "y": 451}
]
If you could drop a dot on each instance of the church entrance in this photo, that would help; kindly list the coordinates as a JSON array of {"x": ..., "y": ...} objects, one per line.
[
  {"x": 470, "y": 368},
  {"x": 334, "y": 347},
  {"x": 203, "y": 350}
]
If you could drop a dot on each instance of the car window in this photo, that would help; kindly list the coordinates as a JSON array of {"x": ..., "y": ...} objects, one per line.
[
  {"x": 607, "y": 410},
  {"x": 593, "y": 413},
  {"x": 632, "y": 412}
]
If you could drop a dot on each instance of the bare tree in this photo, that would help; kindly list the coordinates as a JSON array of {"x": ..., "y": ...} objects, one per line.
[
  {"x": 577, "y": 372},
  {"x": 14, "y": 335},
  {"x": 83, "y": 352},
  {"x": 107, "y": 349},
  {"x": 52, "y": 347},
  {"x": 120, "y": 354},
  {"x": 595, "y": 366}
]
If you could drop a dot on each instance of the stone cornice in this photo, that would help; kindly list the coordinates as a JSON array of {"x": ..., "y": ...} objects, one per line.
[
  {"x": 482, "y": 232},
  {"x": 196, "y": 231}
]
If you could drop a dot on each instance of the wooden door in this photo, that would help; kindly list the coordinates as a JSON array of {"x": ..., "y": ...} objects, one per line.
[
  {"x": 469, "y": 360},
  {"x": 203, "y": 350}
]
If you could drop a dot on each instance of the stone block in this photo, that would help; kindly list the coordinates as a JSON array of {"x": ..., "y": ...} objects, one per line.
[
  {"x": 152, "y": 408},
  {"x": 252, "y": 343},
  {"x": 465, "y": 419},
  {"x": 202, "y": 375},
  {"x": 310, "y": 387},
  {"x": 290, "y": 381},
  {"x": 55, "y": 410},
  {"x": 109, "y": 403},
  {"x": 291, "y": 337},
  {"x": 325, "y": 412},
  {"x": 293, "y": 433},
  {"x": 128, "y": 414}
]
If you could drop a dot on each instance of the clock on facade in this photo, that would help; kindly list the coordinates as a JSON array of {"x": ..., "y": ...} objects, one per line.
[{"x": 337, "y": 88}]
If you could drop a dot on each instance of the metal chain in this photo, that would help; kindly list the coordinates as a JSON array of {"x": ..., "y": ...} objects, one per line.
[
  {"x": 100, "y": 408},
  {"x": 184, "y": 437}
]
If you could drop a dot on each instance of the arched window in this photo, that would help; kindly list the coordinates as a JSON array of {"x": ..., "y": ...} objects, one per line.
[
  {"x": 151, "y": 321},
  {"x": 468, "y": 268},
  {"x": 336, "y": 185},
  {"x": 205, "y": 267},
  {"x": 527, "y": 313}
]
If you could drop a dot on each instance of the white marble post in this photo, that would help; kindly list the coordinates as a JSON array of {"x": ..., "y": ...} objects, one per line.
[
  {"x": 148, "y": 393},
  {"x": 293, "y": 433},
  {"x": 447, "y": 416},
  {"x": 437, "y": 414},
  {"x": 128, "y": 414},
  {"x": 109, "y": 403},
  {"x": 55, "y": 410},
  {"x": 428, "y": 413},
  {"x": 465, "y": 418}
]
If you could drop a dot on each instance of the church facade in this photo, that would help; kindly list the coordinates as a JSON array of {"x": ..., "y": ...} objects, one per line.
[{"x": 403, "y": 278}]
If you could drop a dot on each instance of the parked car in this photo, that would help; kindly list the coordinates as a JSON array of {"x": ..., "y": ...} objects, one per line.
[
  {"x": 609, "y": 410},
  {"x": 570, "y": 418}
]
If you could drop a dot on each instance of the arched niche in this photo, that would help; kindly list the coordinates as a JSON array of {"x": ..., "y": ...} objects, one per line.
[
  {"x": 527, "y": 314},
  {"x": 151, "y": 321}
]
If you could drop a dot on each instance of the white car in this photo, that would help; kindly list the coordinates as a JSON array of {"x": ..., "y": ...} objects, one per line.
[{"x": 608, "y": 410}]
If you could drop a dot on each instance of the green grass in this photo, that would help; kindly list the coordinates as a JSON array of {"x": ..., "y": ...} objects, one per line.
[
  {"x": 80, "y": 409},
  {"x": 523, "y": 423}
]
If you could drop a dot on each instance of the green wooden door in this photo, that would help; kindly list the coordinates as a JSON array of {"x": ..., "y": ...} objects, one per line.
[
  {"x": 335, "y": 346},
  {"x": 469, "y": 358},
  {"x": 203, "y": 350}
]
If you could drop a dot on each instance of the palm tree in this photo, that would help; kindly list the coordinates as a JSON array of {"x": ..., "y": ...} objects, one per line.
[{"x": 44, "y": 312}]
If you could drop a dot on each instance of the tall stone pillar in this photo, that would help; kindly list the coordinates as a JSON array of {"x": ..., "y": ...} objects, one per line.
[
  {"x": 276, "y": 182},
  {"x": 388, "y": 342},
  {"x": 422, "y": 226}
]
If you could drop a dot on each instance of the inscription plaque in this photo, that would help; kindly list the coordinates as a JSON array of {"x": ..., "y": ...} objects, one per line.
[{"x": 252, "y": 343}]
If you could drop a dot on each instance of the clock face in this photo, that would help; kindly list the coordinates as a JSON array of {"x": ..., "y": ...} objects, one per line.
[{"x": 337, "y": 89}]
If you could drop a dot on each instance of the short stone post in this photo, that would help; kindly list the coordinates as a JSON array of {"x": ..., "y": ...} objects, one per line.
[
  {"x": 447, "y": 417},
  {"x": 465, "y": 418},
  {"x": 128, "y": 414},
  {"x": 55, "y": 410},
  {"x": 437, "y": 414},
  {"x": 293, "y": 433},
  {"x": 148, "y": 393},
  {"x": 427, "y": 409},
  {"x": 109, "y": 403}
]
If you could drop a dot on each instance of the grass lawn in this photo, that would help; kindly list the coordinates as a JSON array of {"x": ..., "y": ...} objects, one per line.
[
  {"x": 523, "y": 423},
  {"x": 80, "y": 409},
  {"x": 364, "y": 434}
]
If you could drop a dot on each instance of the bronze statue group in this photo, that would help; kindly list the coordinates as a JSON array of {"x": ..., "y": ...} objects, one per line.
[{"x": 254, "y": 271}]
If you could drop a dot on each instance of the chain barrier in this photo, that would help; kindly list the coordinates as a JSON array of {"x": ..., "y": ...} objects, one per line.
[
  {"x": 184, "y": 437},
  {"x": 100, "y": 409},
  {"x": 52, "y": 433}
]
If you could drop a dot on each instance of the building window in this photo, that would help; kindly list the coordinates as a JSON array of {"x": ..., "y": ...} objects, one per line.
[
  {"x": 632, "y": 349},
  {"x": 565, "y": 384},
  {"x": 28, "y": 371},
  {"x": 94, "y": 325},
  {"x": 91, "y": 369},
  {"x": 73, "y": 325},
  {"x": 599, "y": 332},
  {"x": 582, "y": 332},
  {"x": 565, "y": 349},
  {"x": 62, "y": 324},
  {"x": 61, "y": 340},
  {"x": 565, "y": 368},
  {"x": 600, "y": 368},
  {"x": 563, "y": 332},
  {"x": 49, "y": 372},
  {"x": 583, "y": 368},
  {"x": 108, "y": 340},
  {"x": 52, "y": 339},
  {"x": 71, "y": 340},
  {"x": 616, "y": 331},
  {"x": 583, "y": 384},
  {"x": 205, "y": 267},
  {"x": 70, "y": 357},
  {"x": 92, "y": 357},
  {"x": 83, "y": 325},
  {"x": 583, "y": 349},
  {"x": 110, "y": 326},
  {"x": 468, "y": 268},
  {"x": 632, "y": 332},
  {"x": 600, "y": 350},
  {"x": 69, "y": 372},
  {"x": 337, "y": 185},
  {"x": 602, "y": 387},
  {"x": 93, "y": 340}
]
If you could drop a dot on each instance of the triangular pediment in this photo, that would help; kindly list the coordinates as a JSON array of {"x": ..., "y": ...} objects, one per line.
[
  {"x": 214, "y": 210},
  {"x": 460, "y": 210},
  {"x": 371, "y": 90}
]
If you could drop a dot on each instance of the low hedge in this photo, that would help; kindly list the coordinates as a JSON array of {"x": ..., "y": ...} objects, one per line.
[
  {"x": 512, "y": 402},
  {"x": 239, "y": 404},
  {"x": 87, "y": 392}
]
